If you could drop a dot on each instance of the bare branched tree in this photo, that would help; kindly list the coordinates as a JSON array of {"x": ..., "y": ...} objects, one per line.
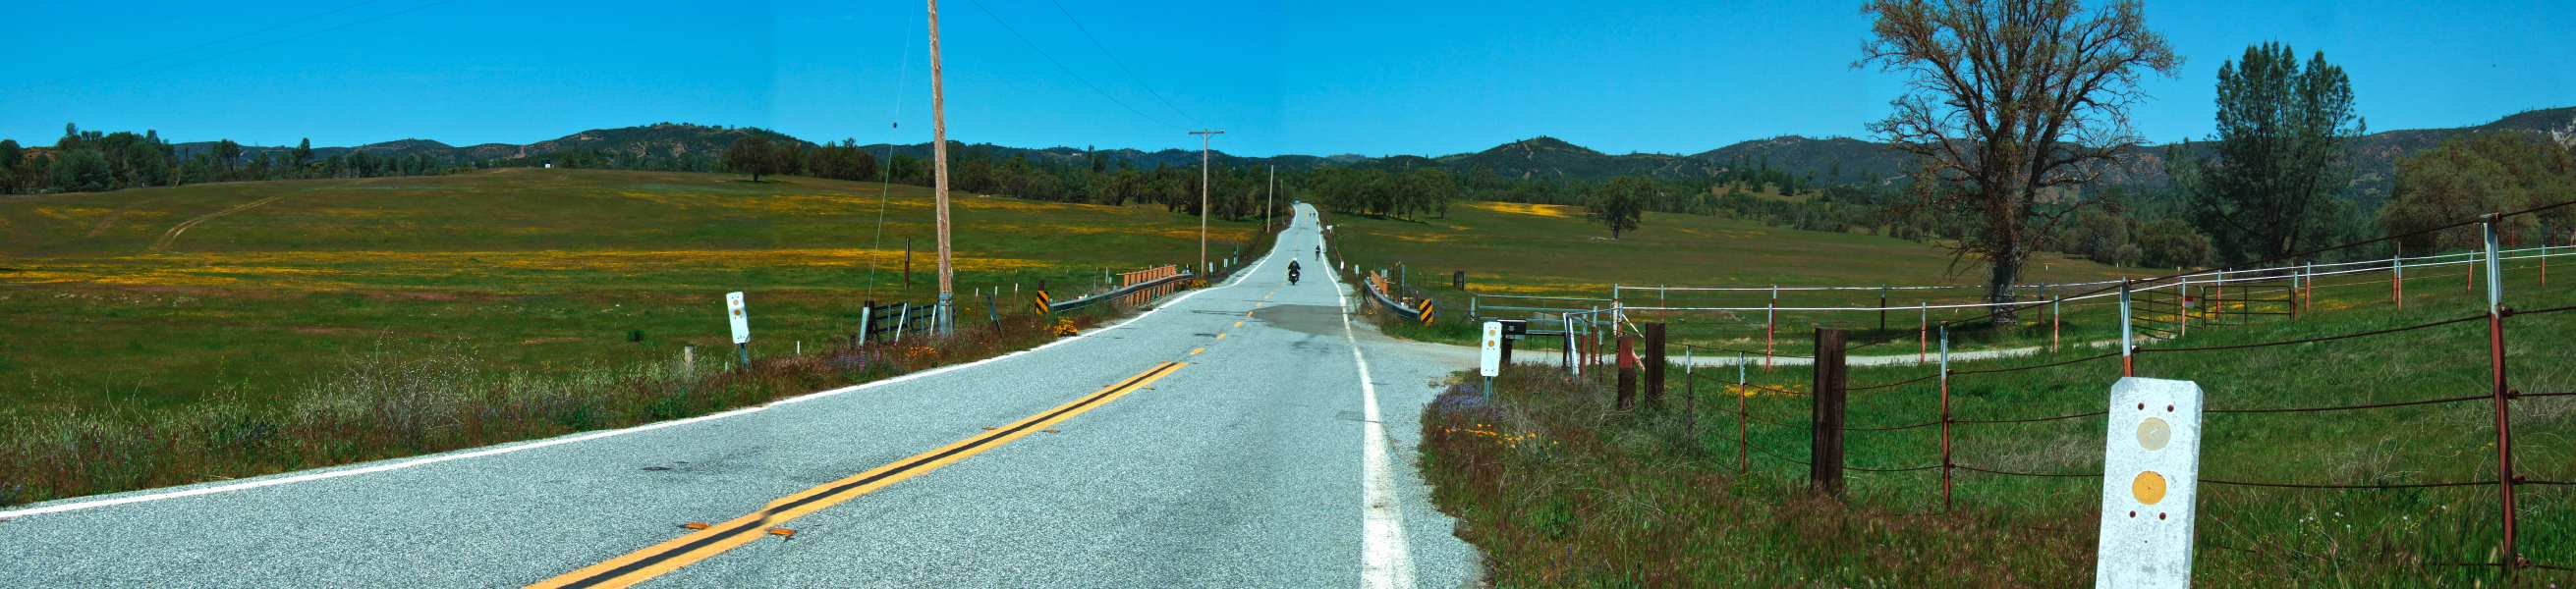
[{"x": 2011, "y": 106}]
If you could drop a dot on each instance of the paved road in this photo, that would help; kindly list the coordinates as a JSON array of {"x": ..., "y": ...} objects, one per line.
[{"x": 1255, "y": 464}]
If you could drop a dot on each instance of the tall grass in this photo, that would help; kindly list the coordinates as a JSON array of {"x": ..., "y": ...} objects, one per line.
[
  {"x": 390, "y": 402},
  {"x": 1561, "y": 489}
]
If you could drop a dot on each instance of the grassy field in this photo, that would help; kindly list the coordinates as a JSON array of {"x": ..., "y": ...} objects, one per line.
[
  {"x": 1550, "y": 250},
  {"x": 1561, "y": 489},
  {"x": 119, "y": 297},
  {"x": 158, "y": 306}
]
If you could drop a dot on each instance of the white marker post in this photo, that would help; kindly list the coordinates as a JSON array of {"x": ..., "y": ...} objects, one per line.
[
  {"x": 1489, "y": 360},
  {"x": 741, "y": 327},
  {"x": 2150, "y": 475}
]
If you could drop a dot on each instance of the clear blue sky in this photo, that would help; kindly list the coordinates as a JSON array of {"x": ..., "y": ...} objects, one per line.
[{"x": 1313, "y": 77}]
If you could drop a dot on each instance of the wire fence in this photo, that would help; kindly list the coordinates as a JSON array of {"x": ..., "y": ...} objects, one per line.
[{"x": 2153, "y": 316}]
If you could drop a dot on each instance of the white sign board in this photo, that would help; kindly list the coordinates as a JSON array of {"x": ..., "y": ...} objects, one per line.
[
  {"x": 2150, "y": 475},
  {"x": 1490, "y": 357},
  {"x": 741, "y": 323}
]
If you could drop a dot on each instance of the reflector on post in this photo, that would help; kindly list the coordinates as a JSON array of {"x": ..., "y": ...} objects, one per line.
[{"x": 2150, "y": 479}]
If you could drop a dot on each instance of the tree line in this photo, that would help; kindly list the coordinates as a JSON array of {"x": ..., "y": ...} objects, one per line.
[{"x": 95, "y": 161}]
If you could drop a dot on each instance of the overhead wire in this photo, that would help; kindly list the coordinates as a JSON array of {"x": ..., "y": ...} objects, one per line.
[
  {"x": 885, "y": 182},
  {"x": 1122, "y": 65},
  {"x": 997, "y": 19}
]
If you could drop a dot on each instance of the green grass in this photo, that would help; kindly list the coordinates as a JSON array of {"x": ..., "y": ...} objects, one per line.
[
  {"x": 139, "y": 313},
  {"x": 1547, "y": 250},
  {"x": 534, "y": 268},
  {"x": 1559, "y": 489}
]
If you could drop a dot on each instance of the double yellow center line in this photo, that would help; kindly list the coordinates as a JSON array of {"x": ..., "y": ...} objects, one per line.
[{"x": 663, "y": 558}]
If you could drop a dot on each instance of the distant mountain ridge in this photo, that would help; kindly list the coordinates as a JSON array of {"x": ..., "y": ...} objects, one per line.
[{"x": 1832, "y": 160}]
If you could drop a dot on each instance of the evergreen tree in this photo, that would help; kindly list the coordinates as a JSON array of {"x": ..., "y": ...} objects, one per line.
[{"x": 2281, "y": 156}]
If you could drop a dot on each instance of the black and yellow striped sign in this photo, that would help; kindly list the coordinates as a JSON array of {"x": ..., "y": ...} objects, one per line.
[
  {"x": 1043, "y": 302},
  {"x": 1426, "y": 311}
]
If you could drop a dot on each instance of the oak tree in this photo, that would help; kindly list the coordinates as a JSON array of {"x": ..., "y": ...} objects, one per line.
[{"x": 2011, "y": 105}]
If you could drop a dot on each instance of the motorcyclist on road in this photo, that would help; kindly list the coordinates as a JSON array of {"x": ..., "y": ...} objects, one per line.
[{"x": 1292, "y": 272}]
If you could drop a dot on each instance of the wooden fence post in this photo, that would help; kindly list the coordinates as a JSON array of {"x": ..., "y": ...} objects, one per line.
[
  {"x": 1627, "y": 371},
  {"x": 1825, "y": 454},
  {"x": 1654, "y": 361}
]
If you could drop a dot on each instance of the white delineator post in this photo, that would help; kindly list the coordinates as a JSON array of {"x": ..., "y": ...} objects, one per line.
[
  {"x": 2150, "y": 479},
  {"x": 741, "y": 326},
  {"x": 1489, "y": 359}
]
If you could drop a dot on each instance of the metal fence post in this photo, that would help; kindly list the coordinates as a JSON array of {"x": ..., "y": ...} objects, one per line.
[
  {"x": 2397, "y": 280},
  {"x": 1923, "y": 332},
  {"x": 1573, "y": 365},
  {"x": 1825, "y": 453},
  {"x": 1690, "y": 402},
  {"x": 1945, "y": 419},
  {"x": 867, "y": 319},
  {"x": 1770, "y": 325},
  {"x": 1743, "y": 459},
  {"x": 2056, "y": 322},
  {"x": 1882, "y": 307},
  {"x": 2496, "y": 312},
  {"x": 2128, "y": 363}
]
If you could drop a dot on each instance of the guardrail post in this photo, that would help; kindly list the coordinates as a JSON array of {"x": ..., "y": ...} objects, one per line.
[
  {"x": 1655, "y": 356},
  {"x": 1825, "y": 453},
  {"x": 2496, "y": 312},
  {"x": 1627, "y": 371}
]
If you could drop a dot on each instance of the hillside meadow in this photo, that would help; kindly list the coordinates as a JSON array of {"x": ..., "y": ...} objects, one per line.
[
  {"x": 1517, "y": 249},
  {"x": 158, "y": 297}
]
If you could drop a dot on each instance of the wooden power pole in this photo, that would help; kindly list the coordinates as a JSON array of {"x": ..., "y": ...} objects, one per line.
[
  {"x": 1203, "y": 193},
  {"x": 939, "y": 158},
  {"x": 1267, "y": 197}
]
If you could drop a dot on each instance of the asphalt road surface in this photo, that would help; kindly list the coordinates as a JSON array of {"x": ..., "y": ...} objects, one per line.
[{"x": 1246, "y": 435}]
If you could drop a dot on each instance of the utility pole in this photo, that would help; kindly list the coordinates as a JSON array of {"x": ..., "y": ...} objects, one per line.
[
  {"x": 1203, "y": 192},
  {"x": 939, "y": 157},
  {"x": 1274, "y": 194}
]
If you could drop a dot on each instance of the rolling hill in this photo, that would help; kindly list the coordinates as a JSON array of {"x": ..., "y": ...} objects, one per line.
[{"x": 1831, "y": 160}]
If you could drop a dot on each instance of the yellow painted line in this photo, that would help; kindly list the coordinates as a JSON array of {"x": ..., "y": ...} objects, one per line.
[
  {"x": 643, "y": 565},
  {"x": 1238, "y": 324},
  {"x": 1247, "y": 313},
  {"x": 1196, "y": 352}
]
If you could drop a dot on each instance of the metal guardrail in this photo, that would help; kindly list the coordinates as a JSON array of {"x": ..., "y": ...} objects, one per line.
[
  {"x": 1062, "y": 306},
  {"x": 1425, "y": 314}
]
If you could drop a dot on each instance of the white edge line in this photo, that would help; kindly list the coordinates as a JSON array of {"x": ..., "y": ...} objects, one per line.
[
  {"x": 281, "y": 480},
  {"x": 1385, "y": 563}
]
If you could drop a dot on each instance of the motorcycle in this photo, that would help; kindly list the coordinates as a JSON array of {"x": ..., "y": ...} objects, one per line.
[{"x": 1292, "y": 277}]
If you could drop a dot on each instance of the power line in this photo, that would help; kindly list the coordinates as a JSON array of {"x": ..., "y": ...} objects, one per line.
[
  {"x": 194, "y": 48},
  {"x": 1122, "y": 66},
  {"x": 885, "y": 182},
  {"x": 229, "y": 53},
  {"x": 997, "y": 19}
]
